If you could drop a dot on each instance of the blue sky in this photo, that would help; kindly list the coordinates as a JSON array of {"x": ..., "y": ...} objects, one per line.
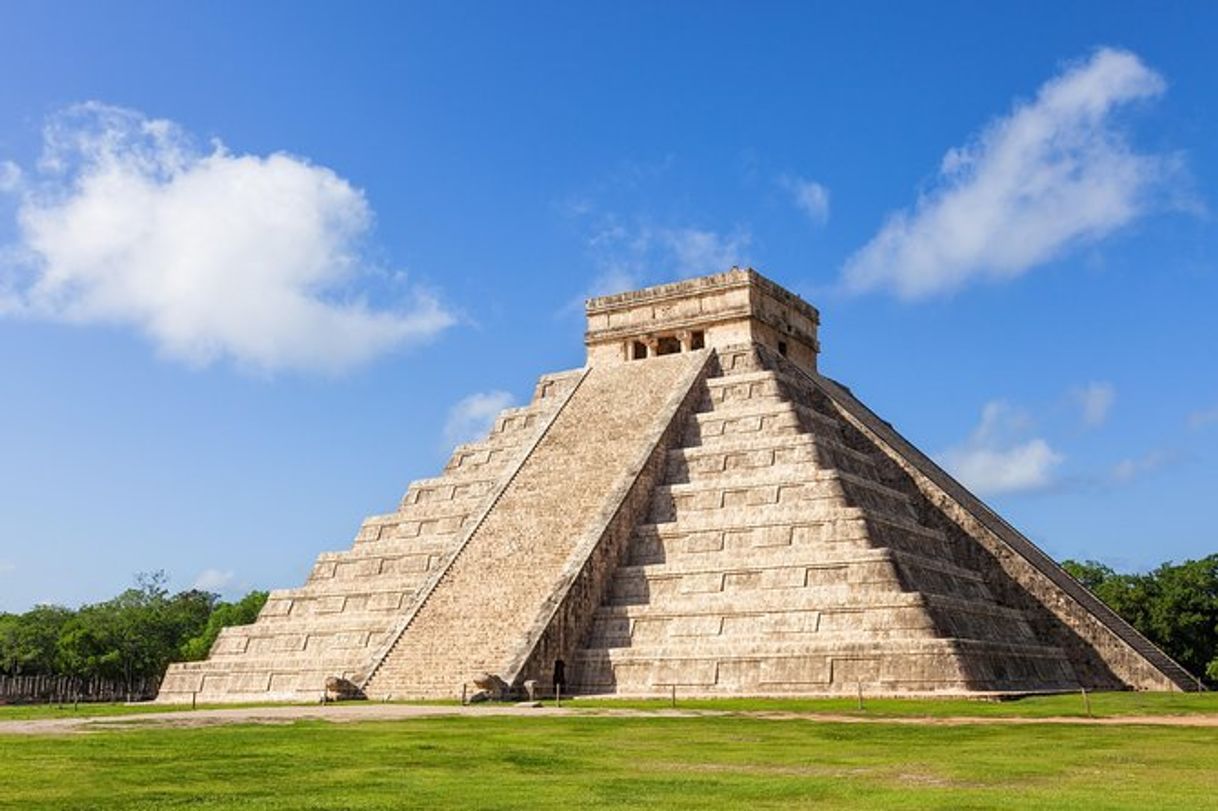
[{"x": 262, "y": 264}]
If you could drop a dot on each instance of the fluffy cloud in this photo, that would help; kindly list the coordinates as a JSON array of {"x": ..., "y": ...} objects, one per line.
[
  {"x": 472, "y": 417},
  {"x": 1129, "y": 469},
  {"x": 208, "y": 253},
  {"x": 214, "y": 580},
  {"x": 1055, "y": 172},
  {"x": 1094, "y": 401},
  {"x": 809, "y": 197},
  {"x": 10, "y": 176},
  {"x": 697, "y": 252},
  {"x": 995, "y": 459},
  {"x": 629, "y": 257}
]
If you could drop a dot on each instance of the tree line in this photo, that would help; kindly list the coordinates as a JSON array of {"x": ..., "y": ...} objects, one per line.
[
  {"x": 138, "y": 633},
  {"x": 128, "y": 638},
  {"x": 1175, "y": 606}
]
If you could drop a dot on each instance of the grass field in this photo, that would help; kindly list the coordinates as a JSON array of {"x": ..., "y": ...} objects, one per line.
[
  {"x": 1102, "y": 705},
  {"x": 562, "y": 762},
  {"x": 24, "y": 712}
]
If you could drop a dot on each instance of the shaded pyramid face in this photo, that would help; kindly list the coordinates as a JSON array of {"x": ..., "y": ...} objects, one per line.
[{"x": 696, "y": 508}]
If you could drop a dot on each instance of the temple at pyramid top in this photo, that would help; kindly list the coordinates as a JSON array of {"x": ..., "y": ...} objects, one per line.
[{"x": 727, "y": 309}]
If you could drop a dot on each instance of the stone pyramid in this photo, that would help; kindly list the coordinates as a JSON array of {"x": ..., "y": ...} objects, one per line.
[{"x": 695, "y": 508}]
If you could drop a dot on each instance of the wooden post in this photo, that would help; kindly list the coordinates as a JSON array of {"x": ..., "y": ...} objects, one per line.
[
  {"x": 1087, "y": 703},
  {"x": 860, "y": 686},
  {"x": 558, "y": 695},
  {"x": 193, "y": 697},
  {"x": 464, "y": 700},
  {"x": 674, "y": 696}
]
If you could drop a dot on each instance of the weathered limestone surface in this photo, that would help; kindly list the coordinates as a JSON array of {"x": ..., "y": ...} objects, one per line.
[
  {"x": 696, "y": 508},
  {"x": 479, "y": 613},
  {"x": 775, "y": 560},
  {"x": 353, "y": 600}
]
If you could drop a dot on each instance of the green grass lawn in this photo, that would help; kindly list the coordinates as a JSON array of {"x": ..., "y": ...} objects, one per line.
[
  {"x": 568, "y": 762},
  {"x": 1102, "y": 705},
  {"x": 25, "y": 712}
]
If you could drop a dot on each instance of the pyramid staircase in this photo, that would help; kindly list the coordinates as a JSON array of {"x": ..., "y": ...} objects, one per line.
[
  {"x": 354, "y": 600},
  {"x": 775, "y": 560},
  {"x": 488, "y": 610}
]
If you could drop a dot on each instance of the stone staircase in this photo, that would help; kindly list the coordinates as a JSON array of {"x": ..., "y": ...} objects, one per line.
[
  {"x": 486, "y": 610},
  {"x": 353, "y": 600},
  {"x": 774, "y": 560}
]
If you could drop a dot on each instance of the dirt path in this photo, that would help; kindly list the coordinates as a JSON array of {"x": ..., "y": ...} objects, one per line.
[{"x": 348, "y": 713}]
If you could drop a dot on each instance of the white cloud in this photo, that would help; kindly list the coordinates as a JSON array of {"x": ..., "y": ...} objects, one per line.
[
  {"x": 10, "y": 176},
  {"x": 1129, "y": 469},
  {"x": 809, "y": 197},
  {"x": 1094, "y": 401},
  {"x": 472, "y": 417},
  {"x": 214, "y": 580},
  {"x": 208, "y": 253},
  {"x": 1202, "y": 418},
  {"x": 1054, "y": 173},
  {"x": 697, "y": 252},
  {"x": 630, "y": 256},
  {"x": 996, "y": 459}
]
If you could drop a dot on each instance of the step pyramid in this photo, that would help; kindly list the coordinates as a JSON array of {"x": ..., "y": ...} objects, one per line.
[{"x": 695, "y": 509}]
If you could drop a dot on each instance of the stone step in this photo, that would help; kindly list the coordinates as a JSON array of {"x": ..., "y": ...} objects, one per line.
[
  {"x": 810, "y": 523},
  {"x": 403, "y": 525},
  {"x": 319, "y": 624},
  {"x": 440, "y": 531},
  {"x": 933, "y": 616},
  {"x": 797, "y": 586},
  {"x": 297, "y": 603},
  {"x": 901, "y": 665},
  {"x": 768, "y": 418},
  {"x": 376, "y": 558},
  {"x": 750, "y": 387},
  {"x": 657, "y": 583},
  {"x": 479, "y": 458},
  {"x": 470, "y": 485},
  {"x": 377, "y": 567},
  {"x": 817, "y": 481},
  {"x": 438, "y": 510},
  {"x": 760, "y": 452},
  {"x": 717, "y": 548},
  {"x": 798, "y": 503},
  {"x": 769, "y": 557},
  {"x": 389, "y": 579}
]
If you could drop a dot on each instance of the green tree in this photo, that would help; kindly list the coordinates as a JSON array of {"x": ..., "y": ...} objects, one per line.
[
  {"x": 29, "y": 641},
  {"x": 1175, "y": 606},
  {"x": 1182, "y": 615},
  {"x": 242, "y": 612},
  {"x": 136, "y": 634},
  {"x": 1090, "y": 573}
]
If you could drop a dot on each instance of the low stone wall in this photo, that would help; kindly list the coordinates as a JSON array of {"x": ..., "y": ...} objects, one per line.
[{"x": 66, "y": 689}]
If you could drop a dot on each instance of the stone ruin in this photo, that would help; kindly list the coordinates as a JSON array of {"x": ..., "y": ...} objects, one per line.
[{"x": 697, "y": 509}]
